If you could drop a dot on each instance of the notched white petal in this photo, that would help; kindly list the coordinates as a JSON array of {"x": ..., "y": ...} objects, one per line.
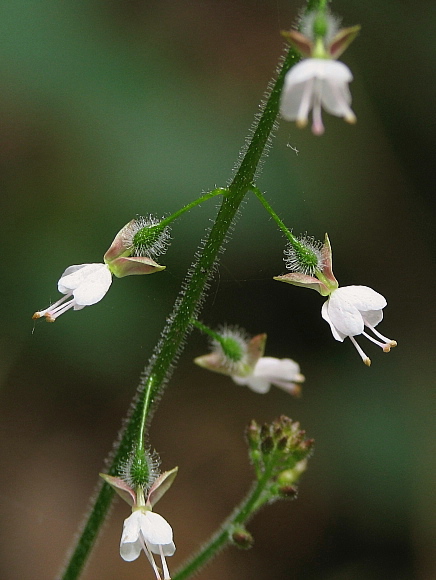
[
  {"x": 130, "y": 545},
  {"x": 363, "y": 297},
  {"x": 325, "y": 314},
  {"x": 155, "y": 529},
  {"x": 352, "y": 308},
  {"x": 94, "y": 286},
  {"x": 344, "y": 315},
  {"x": 283, "y": 373},
  {"x": 256, "y": 384}
]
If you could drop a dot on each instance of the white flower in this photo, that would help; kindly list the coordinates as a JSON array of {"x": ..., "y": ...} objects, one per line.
[
  {"x": 283, "y": 373},
  {"x": 314, "y": 82},
  {"x": 252, "y": 369},
  {"x": 82, "y": 285},
  {"x": 145, "y": 529},
  {"x": 349, "y": 309},
  {"x": 148, "y": 531}
]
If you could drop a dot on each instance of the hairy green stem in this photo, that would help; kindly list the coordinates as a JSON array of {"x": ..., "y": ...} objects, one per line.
[
  {"x": 219, "y": 191},
  {"x": 292, "y": 239},
  {"x": 207, "y": 331},
  {"x": 186, "y": 307}
]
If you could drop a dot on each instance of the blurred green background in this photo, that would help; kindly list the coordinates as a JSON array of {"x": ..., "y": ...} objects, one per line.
[{"x": 109, "y": 109}]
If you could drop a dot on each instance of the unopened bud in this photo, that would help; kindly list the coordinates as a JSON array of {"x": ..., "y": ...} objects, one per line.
[
  {"x": 242, "y": 539},
  {"x": 252, "y": 433},
  {"x": 288, "y": 491},
  {"x": 267, "y": 445}
]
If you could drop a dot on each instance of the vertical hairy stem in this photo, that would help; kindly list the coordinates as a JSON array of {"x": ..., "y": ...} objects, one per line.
[{"x": 179, "y": 323}]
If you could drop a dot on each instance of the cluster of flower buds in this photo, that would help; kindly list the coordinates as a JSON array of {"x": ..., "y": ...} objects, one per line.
[
  {"x": 234, "y": 354},
  {"x": 279, "y": 452},
  {"x": 129, "y": 254},
  {"x": 348, "y": 310},
  {"x": 319, "y": 80}
]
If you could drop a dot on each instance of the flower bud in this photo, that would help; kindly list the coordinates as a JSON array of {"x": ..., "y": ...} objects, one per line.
[
  {"x": 241, "y": 538},
  {"x": 267, "y": 445},
  {"x": 252, "y": 433},
  {"x": 289, "y": 477}
]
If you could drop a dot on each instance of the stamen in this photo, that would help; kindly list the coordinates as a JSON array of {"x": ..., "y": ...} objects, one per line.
[
  {"x": 347, "y": 113},
  {"x": 164, "y": 565},
  {"x": 303, "y": 110},
  {"x": 388, "y": 341},
  {"x": 363, "y": 356},
  {"x": 386, "y": 347},
  {"x": 317, "y": 124},
  {"x": 52, "y": 313},
  {"x": 150, "y": 558},
  {"x": 56, "y": 309}
]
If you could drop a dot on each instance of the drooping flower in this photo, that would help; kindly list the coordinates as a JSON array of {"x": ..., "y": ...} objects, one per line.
[
  {"x": 283, "y": 373},
  {"x": 148, "y": 531},
  {"x": 319, "y": 80},
  {"x": 251, "y": 368},
  {"x": 86, "y": 284},
  {"x": 82, "y": 286},
  {"x": 349, "y": 309},
  {"x": 314, "y": 83},
  {"x": 144, "y": 529}
]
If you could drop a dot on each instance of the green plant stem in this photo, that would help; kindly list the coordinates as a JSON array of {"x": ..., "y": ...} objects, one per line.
[
  {"x": 205, "y": 197},
  {"x": 179, "y": 323},
  {"x": 239, "y": 517},
  {"x": 316, "y": 5},
  {"x": 292, "y": 239},
  {"x": 207, "y": 330}
]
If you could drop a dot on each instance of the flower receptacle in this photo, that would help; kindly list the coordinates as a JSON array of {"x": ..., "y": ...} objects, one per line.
[{"x": 322, "y": 280}]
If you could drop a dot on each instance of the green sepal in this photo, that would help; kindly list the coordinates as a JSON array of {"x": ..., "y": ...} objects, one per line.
[
  {"x": 342, "y": 40},
  {"x": 122, "y": 488},
  {"x": 161, "y": 486},
  {"x": 134, "y": 265},
  {"x": 297, "y": 279},
  {"x": 299, "y": 41}
]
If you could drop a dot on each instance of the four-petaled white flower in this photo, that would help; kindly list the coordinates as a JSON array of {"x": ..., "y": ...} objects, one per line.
[
  {"x": 148, "y": 531},
  {"x": 82, "y": 286},
  {"x": 316, "y": 82},
  {"x": 144, "y": 529},
  {"x": 283, "y": 373},
  {"x": 349, "y": 309}
]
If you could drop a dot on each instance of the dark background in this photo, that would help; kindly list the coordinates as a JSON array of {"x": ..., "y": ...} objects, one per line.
[{"x": 110, "y": 109}]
